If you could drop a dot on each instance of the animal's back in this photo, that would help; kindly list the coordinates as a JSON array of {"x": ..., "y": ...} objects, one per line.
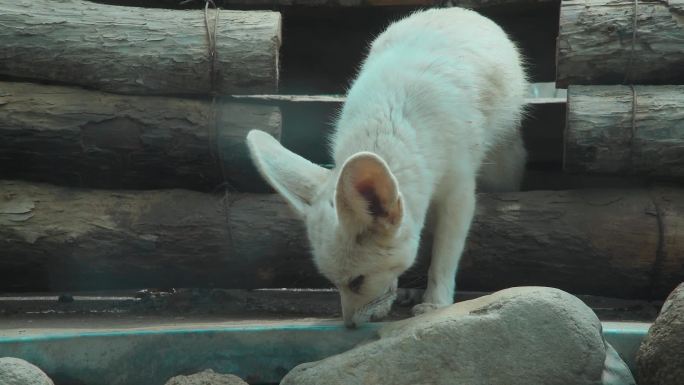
[{"x": 458, "y": 81}]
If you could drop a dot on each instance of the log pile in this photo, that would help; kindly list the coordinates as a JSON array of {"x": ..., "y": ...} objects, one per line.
[
  {"x": 154, "y": 111},
  {"x": 621, "y": 61},
  {"x": 604, "y": 242},
  {"x": 629, "y": 129},
  {"x": 128, "y": 98}
]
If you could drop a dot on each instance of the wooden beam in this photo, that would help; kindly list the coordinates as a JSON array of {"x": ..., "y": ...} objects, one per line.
[
  {"x": 602, "y": 242},
  {"x": 135, "y": 50},
  {"x": 538, "y": 93},
  {"x": 598, "y": 42},
  {"x": 72, "y": 136},
  {"x": 626, "y": 130}
]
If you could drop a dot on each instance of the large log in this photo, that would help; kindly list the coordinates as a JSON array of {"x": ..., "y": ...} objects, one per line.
[
  {"x": 251, "y": 4},
  {"x": 598, "y": 42},
  {"x": 138, "y": 50},
  {"x": 72, "y": 136},
  {"x": 603, "y": 242},
  {"x": 625, "y": 130}
]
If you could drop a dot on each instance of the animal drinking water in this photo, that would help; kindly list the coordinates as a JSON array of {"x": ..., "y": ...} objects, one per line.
[{"x": 434, "y": 110}]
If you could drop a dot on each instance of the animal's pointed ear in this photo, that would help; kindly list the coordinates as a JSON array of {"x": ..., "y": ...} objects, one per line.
[
  {"x": 368, "y": 194},
  {"x": 294, "y": 177}
]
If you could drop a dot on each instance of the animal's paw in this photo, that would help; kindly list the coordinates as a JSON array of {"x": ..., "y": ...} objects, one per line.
[{"x": 425, "y": 308}]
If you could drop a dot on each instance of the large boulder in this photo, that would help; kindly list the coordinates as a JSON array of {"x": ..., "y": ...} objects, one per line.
[
  {"x": 15, "y": 371},
  {"x": 206, "y": 377},
  {"x": 660, "y": 358},
  {"x": 518, "y": 336}
]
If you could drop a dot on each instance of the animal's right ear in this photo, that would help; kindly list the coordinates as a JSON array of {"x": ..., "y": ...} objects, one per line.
[
  {"x": 294, "y": 177},
  {"x": 368, "y": 194}
]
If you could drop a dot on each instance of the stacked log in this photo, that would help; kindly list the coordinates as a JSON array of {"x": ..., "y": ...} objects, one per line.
[
  {"x": 337, "y": 3},
  {"x": 625, "y": 130},
  {"x": 134, "y": 50},
  {"x": 604, "y": 242},
  {"x": 71, "y": 136},
  {"x": 620, "y": 41}
]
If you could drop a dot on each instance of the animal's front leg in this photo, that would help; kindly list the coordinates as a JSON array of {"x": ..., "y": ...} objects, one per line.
[{"x": 454, "y": 214}]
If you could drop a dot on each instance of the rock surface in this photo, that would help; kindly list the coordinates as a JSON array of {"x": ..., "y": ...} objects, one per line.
[
  {"x": 206, "y": 377},
  {"x": 15, "y": 371},
  {"x": 660, "y": 359},
  {"x": 518, "y": 336}
]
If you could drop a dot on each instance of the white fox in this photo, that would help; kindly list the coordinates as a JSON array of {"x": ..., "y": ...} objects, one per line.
[{"x": 435, "y": 107}]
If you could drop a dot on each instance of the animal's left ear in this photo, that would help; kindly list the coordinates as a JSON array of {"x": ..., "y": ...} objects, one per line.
[
  {"x": 294, "y": 177},
  {"x": 368, "y": 195}
]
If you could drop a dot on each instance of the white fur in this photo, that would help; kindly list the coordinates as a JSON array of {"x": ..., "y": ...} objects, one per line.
[{"x": 437, "y": 102}]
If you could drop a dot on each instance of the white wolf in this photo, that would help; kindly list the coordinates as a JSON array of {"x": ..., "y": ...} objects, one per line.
[{"x": 435, "y": 107}]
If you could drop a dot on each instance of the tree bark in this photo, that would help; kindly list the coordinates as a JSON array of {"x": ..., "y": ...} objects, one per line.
[
  {"x": 601, "y": 242},
  {"x": 67, "y": 135},
  {"x": 624, "y": 130},
  {"x": 139, "y": 50},
  {"x": 598, "y": 44}
]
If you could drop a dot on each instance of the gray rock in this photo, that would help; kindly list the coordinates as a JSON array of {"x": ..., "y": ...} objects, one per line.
[
  {"x": 206, "y": 377},
  {"x": 660, "y": 359},
  {"x": 518, "y": 336},
  {"x": 15, "y": 371}
]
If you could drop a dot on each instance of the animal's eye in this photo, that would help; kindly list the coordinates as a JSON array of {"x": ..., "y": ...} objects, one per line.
[{"x": 355, "y": 284}]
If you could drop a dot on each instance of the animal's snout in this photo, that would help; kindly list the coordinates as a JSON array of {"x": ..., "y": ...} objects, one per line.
[{"x": 374, "y": 310}]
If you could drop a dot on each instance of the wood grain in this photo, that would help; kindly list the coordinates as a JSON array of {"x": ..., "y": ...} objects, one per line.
[
  {"x": 134, "y": 50},
  {"x": 623, "y": 243},
  {"x": 626, "y": 131},
  {"x": 72, "y": 136},
  {"x": 597, "y": 43}
]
